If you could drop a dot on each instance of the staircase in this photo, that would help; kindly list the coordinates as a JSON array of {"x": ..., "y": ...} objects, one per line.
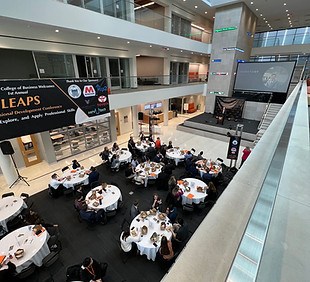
[{"x": 270, "y": 113}]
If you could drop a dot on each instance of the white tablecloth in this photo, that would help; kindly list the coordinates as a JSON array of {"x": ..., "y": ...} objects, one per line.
[
  {"x": 149, "y": 173},
  {"x": 144, "y": 145},
  {"x": 75, "y": 178},
  {"x": 215, "y": 169},
  {"x": 124, "y": 156},
  {"x": 10, "y": 207},
  {"x": 156, "y": 129},
  {"x": 197, "y": 196},
  {"x": 35, "y": 247},
  {"x": 145, "y": 245},
  {"x": 175, "y": 154},
  {"x": 109, "y": 200}
]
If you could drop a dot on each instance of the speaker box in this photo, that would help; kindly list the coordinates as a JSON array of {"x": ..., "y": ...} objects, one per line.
[
  {"x": 140, "y": 116},
  {"x": 6, "y": 148}
]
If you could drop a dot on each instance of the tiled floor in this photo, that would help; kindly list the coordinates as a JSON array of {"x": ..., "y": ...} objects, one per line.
[{"x": 39, "y": 175}]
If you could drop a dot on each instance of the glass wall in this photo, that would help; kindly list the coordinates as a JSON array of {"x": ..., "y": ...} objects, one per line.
[
  {"x": 292, "y": 36},
  {"x": 179, "y": 73}
]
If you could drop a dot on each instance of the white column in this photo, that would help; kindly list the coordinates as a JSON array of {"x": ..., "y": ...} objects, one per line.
[
  {"x": 133, "y": 72},
  {"x": 165, "y": 110},
  {"x": 135, "y": 121},
  {"x": 167, "y": 19},
  {"x": 113, "y": 126},
  {"x": 8, "y": 168},
  {"x": 166, "y": 71}
]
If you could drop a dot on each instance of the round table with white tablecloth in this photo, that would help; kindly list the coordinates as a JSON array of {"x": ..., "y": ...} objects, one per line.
[
  {"x": 109, "y": 198},
  {"x": 124, "y": 156},
  {"x": 10, "y": 207},
  {"x": 35, "y": 246},
  {"x": 152, "y": 222},
  {"x": 192, "y": 196},
  {"x": 75, "y": 177},
  {"x": 149, "y": 170},
  {"x": 213, "y": 167},
  {"x": 175, "y": 154},
  {"x": 143, "y": 145}
]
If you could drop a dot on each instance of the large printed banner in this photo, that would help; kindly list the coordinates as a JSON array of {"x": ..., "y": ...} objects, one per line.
[{"x": 31, "y": 106}]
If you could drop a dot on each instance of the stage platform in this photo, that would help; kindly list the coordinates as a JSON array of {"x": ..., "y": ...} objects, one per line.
[{"x": 205, "y": 125}]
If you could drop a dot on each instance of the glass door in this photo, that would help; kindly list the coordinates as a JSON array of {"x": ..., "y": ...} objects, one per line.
[{"x": 115, "y": 74}]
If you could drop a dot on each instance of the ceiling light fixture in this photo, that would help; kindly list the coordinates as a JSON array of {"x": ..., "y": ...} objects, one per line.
[
  {"x": 206, "y": 12},
  {"x": 284, "y": 4},
  {"x": 197, "y": 26},
  {"x": 151, "y": 46},
  {"x": 261, "y": 15},
  {"x": 196, "y": 7},
  {"x": 143, "y": 6},
  {"x": 98, "y": 37},
  {"x": 256, "y": 9},
  {"x": 128, "y": 42},
  {"x": 286, "y": 10},
  {"x": 181, "y": 51},
  {"x": 252, "y": 3},
  {"x": 56, "y": 30}
]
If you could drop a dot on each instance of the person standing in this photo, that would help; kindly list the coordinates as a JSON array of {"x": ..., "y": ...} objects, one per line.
[
  {"x": 246, "y": 152},
  {"x": 157, "y": 143}
]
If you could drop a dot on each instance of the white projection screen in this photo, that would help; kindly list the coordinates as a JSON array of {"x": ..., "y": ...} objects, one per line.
[{"x": 264, "y": 76}]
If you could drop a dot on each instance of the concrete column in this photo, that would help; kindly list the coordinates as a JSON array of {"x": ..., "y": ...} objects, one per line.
[
  {"x": 165, "y": 111},
  {"x": 8, "y": 168},
  {"x": 133, "y": 72},
  {"x": 46, "y": 147},
  {"x": 166, "y": 71},
  {"x": 135, "y": 121},
  {"x": 167, "y": 19},
  {"x": 229, "y": 45},
  {"x": 113, "y": 126}
]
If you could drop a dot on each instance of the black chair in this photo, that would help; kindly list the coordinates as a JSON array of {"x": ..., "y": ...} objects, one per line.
[
  {"x": 24, "y": 196},
  {"x": 54, "y": 244},
  {"x": 15, "y": 223},
  {"x": 50, "y": 259},
  {"x": 188, "y": 208},
  {"x": 26, "y": 272},
  {"x": 9, "y": 194},
  {"x": 110, "y": 214},
  {"x": 219, "y": 161},
  {"x": 65, "y": 168},
  {"x": 124, "y": 149},
  {"x": 68, "y": 191},
  {"x": 2, "y": 232},
  {"x": 125, "y": 225},
  {"x": 94, "y": 184}
]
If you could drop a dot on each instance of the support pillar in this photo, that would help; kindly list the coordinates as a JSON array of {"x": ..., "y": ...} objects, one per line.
[
  {"x": 165, "y": 111},
  {"x": 166, "y": 71},
  {"x": 135, "y": 121},
  {"x": 133, "y": 72},
  {"x": 8, "y": 169}
]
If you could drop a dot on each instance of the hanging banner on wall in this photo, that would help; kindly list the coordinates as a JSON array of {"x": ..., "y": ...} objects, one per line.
[
  {"x": 31, "y": 106},
  {"x": 233, "y": 148}
]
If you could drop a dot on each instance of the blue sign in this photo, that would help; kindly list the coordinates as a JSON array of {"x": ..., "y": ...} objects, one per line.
[{"x": 216, "y": 60}]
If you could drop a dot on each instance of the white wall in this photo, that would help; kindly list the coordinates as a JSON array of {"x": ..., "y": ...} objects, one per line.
[{"x": 125, "y": 127}]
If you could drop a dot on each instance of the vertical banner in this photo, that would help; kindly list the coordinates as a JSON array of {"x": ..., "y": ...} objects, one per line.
[
  {"x": 31, "y": 106},
  {"x": 233, "y": 147}
]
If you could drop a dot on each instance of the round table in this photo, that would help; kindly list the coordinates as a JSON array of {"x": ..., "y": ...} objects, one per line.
[
  {"x": 193, "y": 196},
  {"x": 145, "y": 245},
  {"x": 175, "y": 154},
  {"x": 35, "y": 246},
  {"x": 10, "y": 207},
  {"x": 124, "y": 156},
  {"x": 149, "y": 170},
  {"x": 109, "y": 199},
  {"x": 142, "y": 147},
  {"x": 214, "y": 168},
  {"x": 78, "y": 176}
]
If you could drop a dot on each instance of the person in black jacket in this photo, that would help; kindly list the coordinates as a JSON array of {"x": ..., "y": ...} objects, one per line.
[
  {"x": 91, "y": 270},
  {"x": 93, "y": 176}
]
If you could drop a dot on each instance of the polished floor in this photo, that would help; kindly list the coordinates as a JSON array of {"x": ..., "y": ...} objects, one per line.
[{"x": 39, "y": 175}]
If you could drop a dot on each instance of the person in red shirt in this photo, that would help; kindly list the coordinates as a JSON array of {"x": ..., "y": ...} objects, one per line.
[
  {"x": 157, "y": 143},
  {"x": 246, "y": 152}
]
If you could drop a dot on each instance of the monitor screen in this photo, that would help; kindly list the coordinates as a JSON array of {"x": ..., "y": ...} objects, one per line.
[
  {"x": 159, "y": 105},
  {"x": 264, "y": 76},
  {"x": 147, "y": 106}
]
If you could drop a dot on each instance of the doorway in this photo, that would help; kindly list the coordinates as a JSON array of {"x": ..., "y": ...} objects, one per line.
[
  {"x": 117, "y": 124},
  {"x": 29, "y": 149},
  {"x": 88, "y": 66}
]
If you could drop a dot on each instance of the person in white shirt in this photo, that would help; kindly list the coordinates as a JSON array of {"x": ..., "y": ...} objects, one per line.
[
  {"x": 127, "y": 241},
  {"x": 134, "y": 163},
  {"x": 57, "y": 185}
]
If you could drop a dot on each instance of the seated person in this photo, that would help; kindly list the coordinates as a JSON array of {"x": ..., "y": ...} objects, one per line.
[
  {"x": 162, "y": 180},
  {"x": 131, "y": 145},
  {"x": 188, "y": 155},
  {"x": 75, "y": 164},
  {"x": 139, "y": 179},
  {"x": 134, "y": 210},
  {"x": 156, "y": 202},
  {"x": 115, "y": 147},
  {"x": 134, "y": 163},
  {"x": 163, "y": 150},
  {"x": 127, "y": 241},
  {"x": 57, "y": 185},
  {"x": 199, "y": 156},
  {"x": 115, "y": 163},
  {"x": 158, "y": 158},
  {"x": 79, "y": 202},
  {"x": 142, "y": 136},
  {"x": 212, "y": 192},
  {"x": 172, "y": 213},
  {"x": 170, "y": 146},
  {"x": 172, "y": 183},
  {"x": 91, "y": 271},
  {"x": 105, "y": 154},
  {"x": 9, "y": 273},
  {"x": 207, "y": 177},
  {"x": 93, "y": 176},
  {"x": 165, "y": 252},
  {"x": 177, "y": 193},
  {"x": 180, "y": 232},
  {"x": 150, "y": 152},
  {"x": 129, "y": 172}
]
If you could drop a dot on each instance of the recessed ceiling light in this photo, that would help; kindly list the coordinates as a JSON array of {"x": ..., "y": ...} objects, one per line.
[
  {"x": 128, "y": 42},
  {"x": 98, "y": 37},
  {"x": 184, "y": 0},
  {"x": 256, "y": 9},
  {"x": 151, "y": 46},
  {"x": 286, "y": 10},
  {"x": 264, "y": 18},
  {"x": 261, "y": 15},
  {"x": 206, "y": 12},
  {"x": 196, "y": 7},
  {"x": 252, "y": 3},
  {"x": 181, "y": 51},
  {"x": 266, "y": 21},
  {"x": 56, "y": 30},
  {"x": 289, "y": 18},
  {"x": 287, "y": 14},
  {"x": 200, "y": 54},
  {"x": 192, "y": 52},
  {"x": 284, "y": 4},
  {"x": 213, "y": 17}
]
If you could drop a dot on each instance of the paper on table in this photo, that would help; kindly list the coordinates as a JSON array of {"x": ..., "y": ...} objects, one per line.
[{"x": 190, "y": 196}]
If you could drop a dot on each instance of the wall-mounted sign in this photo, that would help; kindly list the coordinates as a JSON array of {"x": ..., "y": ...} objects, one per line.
[
  {"x": 240, "y": 61},
  {"x": 31, "y": 106},
  {"x": 219, "y": 73},
  {"x": 217, "y": 92},
  {"x": 226, "y": 29},
  {"x": 217, "y": 60},
  {"x": 233, "y": 49}
]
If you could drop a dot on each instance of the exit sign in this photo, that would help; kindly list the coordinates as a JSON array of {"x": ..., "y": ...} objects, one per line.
[{"x": 226, "y": 29}]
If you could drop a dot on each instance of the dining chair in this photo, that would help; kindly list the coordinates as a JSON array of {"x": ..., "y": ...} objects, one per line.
[
  {"x": 110, "y": 214},
  {"x": 24, "y": 196},
  {"x": 50, "y": 259},
  {"x": 188, "y": 208},
  {"x": 65, "y": 168},
  {"x": 26, "y": 272},
  {"x": 9, "y": 194},
  {"x": 94, "y": 184}
]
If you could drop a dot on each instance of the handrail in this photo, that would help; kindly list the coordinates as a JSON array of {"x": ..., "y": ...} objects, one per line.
[{"x": 265, "y": 112}]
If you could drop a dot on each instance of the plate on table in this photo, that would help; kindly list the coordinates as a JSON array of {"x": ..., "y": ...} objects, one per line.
[
  {"x": 162, "y": 216},
  {"x": 95, "y": 204}
]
